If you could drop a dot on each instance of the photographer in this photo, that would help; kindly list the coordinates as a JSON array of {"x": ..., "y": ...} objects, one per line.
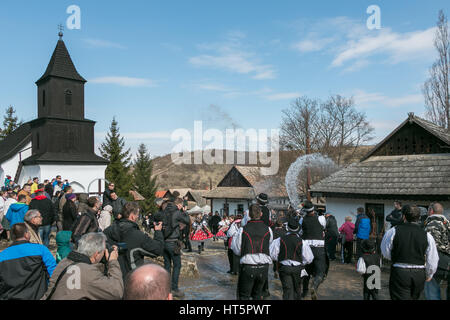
[
  {"x": 173, "y": 218},
  {"x": 135, "y": 244},
  {"x": 90, "y": 281}
]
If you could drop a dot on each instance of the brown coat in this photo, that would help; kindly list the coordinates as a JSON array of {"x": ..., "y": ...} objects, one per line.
[
  {"x": 35, "y": 237},
  {"x": 93, "y": 284}
]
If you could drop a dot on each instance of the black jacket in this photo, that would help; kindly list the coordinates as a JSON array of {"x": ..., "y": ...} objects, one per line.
[
  {"x": 126, "y": 231},
  {"x": 107, "y": 197},
  {"x": 86, "y": 223},
  {"x": 395, "y": 217},
  {"x": 70, "y": 215},
  {"x": 46, "y": 208},
  {"x": 177, "y": 218},
  {"x": 331, "y": 227},
  {"x": 117, "y": 206}
]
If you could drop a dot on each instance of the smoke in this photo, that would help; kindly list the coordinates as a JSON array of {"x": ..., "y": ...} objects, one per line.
[{"x": 216, "y": 115}]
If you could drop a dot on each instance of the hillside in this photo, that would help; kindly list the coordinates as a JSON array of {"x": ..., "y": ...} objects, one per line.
[{"x": 203, "y": 176}]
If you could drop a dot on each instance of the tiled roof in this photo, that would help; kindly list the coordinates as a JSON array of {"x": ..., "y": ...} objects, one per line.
[
  {"x": 12, "y": 144},
  {"x": 231, "y": 193},
  {"x": 391, "y": 175},
  {"x": 61, "y": 65}
]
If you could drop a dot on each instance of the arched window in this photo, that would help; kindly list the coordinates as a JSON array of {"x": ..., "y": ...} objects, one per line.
[{"x": 68, "y": 97}]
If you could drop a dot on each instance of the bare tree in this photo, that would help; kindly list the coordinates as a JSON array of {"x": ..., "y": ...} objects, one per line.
[
  {"x": 436, "y": 89},
  {"x": 347, "y": 128}
]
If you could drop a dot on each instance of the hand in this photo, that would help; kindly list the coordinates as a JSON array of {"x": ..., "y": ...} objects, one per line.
[
  {"x": 114, "y": 254},
  {"x": 158, "y": 226},
  {"x": 429, "y": 279}
]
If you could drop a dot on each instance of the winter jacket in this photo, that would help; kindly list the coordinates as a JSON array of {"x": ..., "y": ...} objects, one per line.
[
  {"x": 362, "y": 226},
  {"x": 16, "y": 213},
  {"x": 63, "y": 243},
  {"x": 347, "y": 229},
  {"x": 104, "y": 220},
  {"x": 177, "y": 218},
  {"x": 117, "y": 206},
  {"x": 331, "y": 229},
  {"x": 93, "y": 283},
  {"x": 69, "y": 215},
  {"x": 439, "y": 227},
  {"x": 34, "y": 232},
  {"x": 107, "y": 197},
  {"x": 395, "y": 217},
  {"x": 62, "y": 202},
  {"x": 82, "y": 203},
  {"x": 85, "y": 223},
  {"x": 8, "y": 203},
  {"x": 46, "y": 209},
  {"x": 126, "y": 231},
  {"x": 24, "y": 271}
]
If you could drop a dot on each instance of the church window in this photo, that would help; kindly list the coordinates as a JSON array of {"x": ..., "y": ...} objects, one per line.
[
  {"x": 68, "y": 97},
  {"x": 43, "y": 98}
]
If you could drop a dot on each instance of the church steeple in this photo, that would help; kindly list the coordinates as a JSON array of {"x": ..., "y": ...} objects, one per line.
[{"x": 61, "y": 87}]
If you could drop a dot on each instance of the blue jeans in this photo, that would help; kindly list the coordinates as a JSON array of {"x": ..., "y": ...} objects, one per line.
[
  {"x": 44, "y": 233},
  {"x": 170, "y": 256},
  {"x": 432, "y": 290}
]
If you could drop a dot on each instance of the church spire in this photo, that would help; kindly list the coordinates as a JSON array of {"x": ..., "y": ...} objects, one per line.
[{"x": 61, "y": 64}]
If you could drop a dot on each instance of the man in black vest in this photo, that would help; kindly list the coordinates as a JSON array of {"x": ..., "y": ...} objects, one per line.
[
  {"x": 293, "y": 255},
  {"x": 252, "y": 244},
  {"x": 313, "y": 234},
  {"x": 413, "y": 254},
  {"x": 262, "y": 201}
]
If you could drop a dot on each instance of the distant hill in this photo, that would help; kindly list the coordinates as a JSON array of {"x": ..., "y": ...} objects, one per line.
[{"x": 203, "y": 176}]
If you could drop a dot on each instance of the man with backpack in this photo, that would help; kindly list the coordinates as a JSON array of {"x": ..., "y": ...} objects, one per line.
[{"x": 173, "y": 221}]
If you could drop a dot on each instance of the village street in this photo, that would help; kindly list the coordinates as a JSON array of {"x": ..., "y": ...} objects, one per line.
[{"x": 342, "y": 283}]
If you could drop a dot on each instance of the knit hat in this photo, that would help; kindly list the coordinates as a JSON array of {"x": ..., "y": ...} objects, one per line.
[
  {"x": 368, "y": 246},
  {"x": 293, "y": 225},
  {"x": 70, "y": 196},
  {"x": 262, "y": 198}
]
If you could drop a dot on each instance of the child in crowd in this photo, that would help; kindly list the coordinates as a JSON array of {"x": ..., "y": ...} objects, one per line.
[{"x": 369, "y": 258}]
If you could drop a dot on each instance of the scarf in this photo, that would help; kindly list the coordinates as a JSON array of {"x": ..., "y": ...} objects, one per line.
[{"x": 78, "y": 257}]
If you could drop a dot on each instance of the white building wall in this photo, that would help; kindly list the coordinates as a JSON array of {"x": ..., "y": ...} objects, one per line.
[
  {"x": 341, "y": 208},
  {"x": 79, "y": 176},
  {"x": 9, "y": 167},
  {"x": 218, "y": 205}
]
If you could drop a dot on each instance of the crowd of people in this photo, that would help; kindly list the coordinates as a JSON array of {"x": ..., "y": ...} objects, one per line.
[{"x": 102, "y": 245}]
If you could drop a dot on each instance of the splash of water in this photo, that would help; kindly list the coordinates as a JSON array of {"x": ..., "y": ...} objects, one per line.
[{"x": 315, "y": 160}]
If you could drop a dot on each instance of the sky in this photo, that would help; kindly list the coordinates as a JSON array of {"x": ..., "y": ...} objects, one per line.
[{"x": 158, "y": 66}]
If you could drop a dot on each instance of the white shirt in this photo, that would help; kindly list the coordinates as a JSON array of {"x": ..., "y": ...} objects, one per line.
[
  {"x": 307, "y": 255},
  {"x": 8, "y": 203},
  {"x": 2, "y": 207},
  {"x": 431, "y": 254},
  {"x": 257, "y": 258},
  {"x": 233, "y": 230},
  {"x": 315, "y": 243}
]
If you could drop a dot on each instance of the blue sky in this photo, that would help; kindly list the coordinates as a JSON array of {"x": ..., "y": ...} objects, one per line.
[{"x": 159, "y": 66}]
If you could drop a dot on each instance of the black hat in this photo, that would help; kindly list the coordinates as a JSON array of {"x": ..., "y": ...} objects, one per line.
[
  {"x": 293, "y": 224},
  {"x": 262, "y": 198},
  {"x": 368, "y": 246},
  {"x": 308, "y": 206}
]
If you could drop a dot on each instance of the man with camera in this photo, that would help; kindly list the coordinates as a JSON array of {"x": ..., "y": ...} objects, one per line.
[
  {"x": 133, "y": 243},
  {"x": 173, "y": 220},
  {"x": 81, "y": 276}
]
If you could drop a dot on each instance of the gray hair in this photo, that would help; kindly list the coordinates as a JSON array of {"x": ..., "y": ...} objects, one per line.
[
  {"x": 33, "y": 213},
  {"x": 91, "y": 243}
]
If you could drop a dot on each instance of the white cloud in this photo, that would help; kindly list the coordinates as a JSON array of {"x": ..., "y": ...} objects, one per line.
[
  {"x": 283, "y": 96},
  {"x": 232, "y": 56},
  {"x": 125, "y": 81},
  {"x": 365, "y": 99},
  {"x": 311, "y": 45},
  {"x": 103, "y": 43}
]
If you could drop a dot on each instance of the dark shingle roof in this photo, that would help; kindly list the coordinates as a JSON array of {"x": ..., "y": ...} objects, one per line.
[
  {"x": 53, "y": 157},
  {"x": 61, "y": 65},
  {"x": 17, "y": 140},
  {"x": 231, "y": 193},
  {"x": 391, "y": 175}
]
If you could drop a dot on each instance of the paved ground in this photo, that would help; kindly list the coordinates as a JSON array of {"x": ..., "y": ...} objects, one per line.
[{"x": 342, "y": 283}]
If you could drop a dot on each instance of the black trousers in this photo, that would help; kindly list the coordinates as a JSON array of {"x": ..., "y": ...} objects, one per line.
[
  {"x": 187, "y": 242},
  {"x": 406, "y": 284},
  {"x": 358, "y": 248},
  {"x": 291, "y": 282},
  {"x": 348, "y": 251},
  {"x": 233, "y": 260},
  {"x": 251, "y": 281},
  {"x": 331, "y": 243},
  {"x": 369, "y": 294},
  {"x": 317, "y": 269}
]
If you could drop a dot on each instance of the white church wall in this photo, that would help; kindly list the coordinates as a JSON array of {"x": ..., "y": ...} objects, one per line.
[
  {"x": 341, "y": 208},
  {"x": 29, "y": 172},
  {"x": 218, "y": 205},
  {"x": 9, "y": 167}
]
